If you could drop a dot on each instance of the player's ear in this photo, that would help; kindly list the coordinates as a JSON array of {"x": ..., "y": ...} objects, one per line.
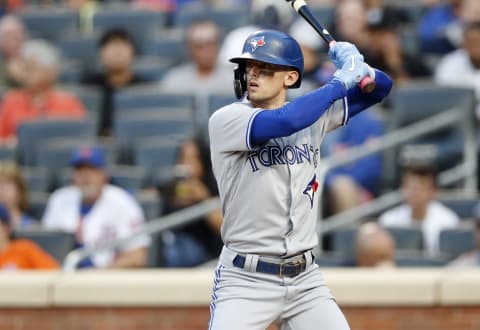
[{"x": 291, "y": 78}]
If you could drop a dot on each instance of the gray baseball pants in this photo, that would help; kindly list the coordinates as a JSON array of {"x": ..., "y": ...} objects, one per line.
[{"x": 243, "y": 299}]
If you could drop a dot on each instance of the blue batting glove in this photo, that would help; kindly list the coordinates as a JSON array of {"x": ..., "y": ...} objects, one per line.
[
  {"x": 353, "y": 72},
  {"x": 341, "y": 52}
]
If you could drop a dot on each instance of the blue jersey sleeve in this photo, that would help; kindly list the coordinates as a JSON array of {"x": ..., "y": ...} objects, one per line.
[
  {"x": 296, "y": 115},
  {"x": 358, "y": 101}
]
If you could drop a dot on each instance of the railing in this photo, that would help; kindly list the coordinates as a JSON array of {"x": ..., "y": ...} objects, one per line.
[{"x": 466, "y": 170}]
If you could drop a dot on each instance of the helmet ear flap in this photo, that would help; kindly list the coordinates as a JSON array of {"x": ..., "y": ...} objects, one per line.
[{"x": 239, "y": 81}]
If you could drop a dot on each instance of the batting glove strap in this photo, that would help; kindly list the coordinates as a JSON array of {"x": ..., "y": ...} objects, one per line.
[{"x": 352, "y": 73}]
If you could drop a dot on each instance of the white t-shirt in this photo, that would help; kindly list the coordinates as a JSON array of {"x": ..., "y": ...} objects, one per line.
[
  {"x": 115, "y": 215},
  {"x": 438, "y": 218}
]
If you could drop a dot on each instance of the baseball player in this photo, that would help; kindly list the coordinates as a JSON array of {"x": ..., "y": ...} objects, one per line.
[{"x": 265, "y": 156}]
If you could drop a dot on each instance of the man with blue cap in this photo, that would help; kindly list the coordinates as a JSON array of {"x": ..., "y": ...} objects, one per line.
[{"x": 98, "y": 212}]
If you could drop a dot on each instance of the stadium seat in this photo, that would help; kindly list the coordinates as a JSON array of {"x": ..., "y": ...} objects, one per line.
[
  {"x": 57, "y": 243},
  {"x": 32, "y": 135},
  {"x": 407, "y": 238},
  {"x": 152, "y": 205},
  {"x": 155, "y": 256},
  {"x": 37, "y": 201},
  {"x": 82, "y": 49},
  {"x": 454, "y": 242},
  {"x": 130, "y": 178},
  {"x": 343, "y": 241},
  {"x": 36, "y": 179},
  {"x": 150, "y": 68},
  {"x": 333, "y": 260},
  {"x": 463, "y": 207},
  {"x": 226, "y": 18},
  {"x": 150, "y": 97},
  {"x": 169, "y": 47},
  {"x": 8, "y": 153},
  {"x": 416, "y": 259},
  {"x": 417, "y": 101},
  {"x": 130, "y": 131},
  {"x": 140, "y": 23},
  {"x": 155, "y": 155},
  {"x": 50, "y": 24}
]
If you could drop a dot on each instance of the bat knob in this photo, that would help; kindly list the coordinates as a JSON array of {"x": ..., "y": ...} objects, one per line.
[{"x": 367, "y": 85}]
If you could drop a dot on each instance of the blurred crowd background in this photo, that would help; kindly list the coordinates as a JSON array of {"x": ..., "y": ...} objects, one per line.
[{"x": 104, "y": 107}]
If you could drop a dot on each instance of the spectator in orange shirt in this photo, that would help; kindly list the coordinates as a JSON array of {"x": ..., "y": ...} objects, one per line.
[
  {"x": 39, "y": 98},
  {"x": 20, "y": 254}
]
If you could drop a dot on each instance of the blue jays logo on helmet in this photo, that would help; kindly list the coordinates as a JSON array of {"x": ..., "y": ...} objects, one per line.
[
  {"x": 257, "y": 42},
  {"x": 311, "y": 189}
]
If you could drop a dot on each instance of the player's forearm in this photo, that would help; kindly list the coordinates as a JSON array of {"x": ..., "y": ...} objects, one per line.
[
  {"x": 131, "y": 259},
  {"x": 358, "y": 101},
  {"x": 296, "y": 115}
]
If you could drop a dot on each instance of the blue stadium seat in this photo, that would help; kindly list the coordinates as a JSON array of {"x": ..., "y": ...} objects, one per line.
[
  {"x": 463, "y": 207},
  {"x": 152, "y": 205},
  {"x": 150, "y": 97},
  {"x": 36, "y": 179},
  {"x": 51, "y": 24},
  {"x": 454, "y": 242},
  {"x": 130, "y": 178},
  {"x": 407, "y": 238},
  {"x": 226, "y": 18},
  {"x": 33, "y": 134},
  {"x": 409, "y": 259},
  {"x": 37, "y": 201},
  {"x": 416, "y": 101},
  {"x": 82, "y": 49},
  {"x": 155, "y": 155},
  {"x": 8, "y": 153},
  {"x": 57, "y": 243},
  {"x": 168, "y": 47},
  {"x": 343, "y": 241},
  {"x": 150, "y": 68},
  {"x": 140, "y": 23},
  {"x": 333, "y": 260},
  {"x": 130, "y": 131}
]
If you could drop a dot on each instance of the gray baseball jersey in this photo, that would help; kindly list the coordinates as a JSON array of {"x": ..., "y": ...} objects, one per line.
[{"x": 268, "y": 192}]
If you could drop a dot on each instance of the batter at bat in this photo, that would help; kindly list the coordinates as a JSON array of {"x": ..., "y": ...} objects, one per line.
[{"x": 265, "y": 156}]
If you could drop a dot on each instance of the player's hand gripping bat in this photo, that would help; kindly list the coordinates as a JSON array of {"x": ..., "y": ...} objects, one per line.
[{"x": 367, "y": 85}]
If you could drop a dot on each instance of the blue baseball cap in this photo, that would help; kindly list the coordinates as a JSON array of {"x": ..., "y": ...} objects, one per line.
[
  {"x": 88, "y": 156},
  {"x": 4, "y": 215}
]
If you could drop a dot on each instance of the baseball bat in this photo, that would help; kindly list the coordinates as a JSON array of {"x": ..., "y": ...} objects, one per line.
[{"x": 367, "y": 85}]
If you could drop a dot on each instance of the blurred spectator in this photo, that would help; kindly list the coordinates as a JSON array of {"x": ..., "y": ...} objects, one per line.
[
  {"x": 10, "y": 6},
  {"x": 98, "y": 213},
  {"x": 421, "y": 209},
  {"x": 116, "y": 51},
  {"x": 374, "y": 31},
  {"x": 264, "y": 14},
  {"x": 375, "y": 246},
  {"x": 439, "y": 28},
  {"x": 471, "y": 258},
  {"x": 12, "y": 37},
  {"x": 200, "y": 241},
  {"x": 86, "y": 10},
  {"x": 202, "y": 75},
  {"x": 462, "y": 66},
  {"x": 379, "y": 11},
  {"x": 39, "y": 98},
  {"x": 14, "y": 195},
  {"x": 353, "y": 184},
  {"x": 20, "y": 254}
]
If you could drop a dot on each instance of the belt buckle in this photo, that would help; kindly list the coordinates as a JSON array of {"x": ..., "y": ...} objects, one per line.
[{"x": 299, "y": 265}]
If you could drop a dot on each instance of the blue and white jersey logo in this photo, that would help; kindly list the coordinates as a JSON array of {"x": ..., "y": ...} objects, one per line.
[{"x": 311, "y": 189}]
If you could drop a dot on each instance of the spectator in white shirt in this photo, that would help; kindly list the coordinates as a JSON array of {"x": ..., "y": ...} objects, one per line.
[
  {"x": 462, "y": 66},
  {"x": 421, "y": 209},
  {"x": 98, "y": 212}
]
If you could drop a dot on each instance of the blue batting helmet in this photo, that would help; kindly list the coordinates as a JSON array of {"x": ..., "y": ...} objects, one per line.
[{"x": 274, "y": 47}]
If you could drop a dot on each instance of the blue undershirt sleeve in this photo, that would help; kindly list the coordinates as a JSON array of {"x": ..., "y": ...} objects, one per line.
[
  {"x": 296, "y": 115},
  {"x": 358, "y": 101}
]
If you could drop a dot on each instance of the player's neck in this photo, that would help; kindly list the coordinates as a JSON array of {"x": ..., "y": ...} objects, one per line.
[{"x": 269, "y": 103}]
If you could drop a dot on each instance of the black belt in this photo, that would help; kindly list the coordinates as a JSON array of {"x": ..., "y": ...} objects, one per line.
[{"x": 288, "y": 269}]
